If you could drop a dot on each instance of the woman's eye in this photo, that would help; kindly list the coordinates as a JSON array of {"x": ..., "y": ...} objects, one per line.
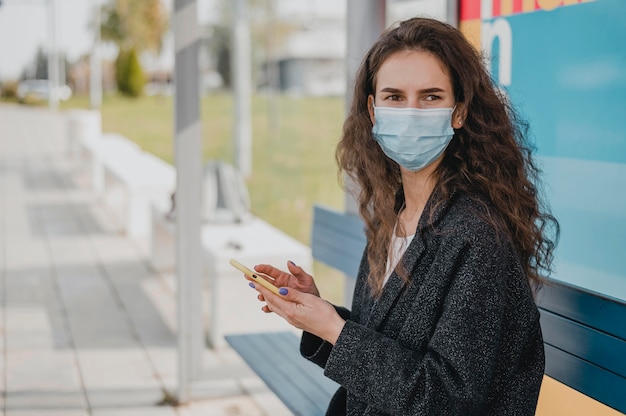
[
  {"x": 432, "y": 97},
  {"x": 393, "y": 97}
]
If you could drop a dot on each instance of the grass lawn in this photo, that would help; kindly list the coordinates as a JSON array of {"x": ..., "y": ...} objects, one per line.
[{"x": 293, "y": 153}]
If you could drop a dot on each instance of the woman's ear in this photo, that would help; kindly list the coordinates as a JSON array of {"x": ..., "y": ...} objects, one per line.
[
  {"x": 458, "y": 116},
  {"x": 370, "y": 108}
]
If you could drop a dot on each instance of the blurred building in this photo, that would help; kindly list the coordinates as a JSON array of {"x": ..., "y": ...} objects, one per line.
[{"x": 311, "y": 59}]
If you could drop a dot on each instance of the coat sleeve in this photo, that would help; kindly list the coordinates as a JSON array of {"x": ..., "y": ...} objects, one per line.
[
  {"x": 314, "y": 348},
  {"x": 449, "y": 376}
]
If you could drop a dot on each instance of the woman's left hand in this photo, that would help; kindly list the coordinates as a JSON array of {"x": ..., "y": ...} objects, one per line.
[{"x": 305, "y": 311}]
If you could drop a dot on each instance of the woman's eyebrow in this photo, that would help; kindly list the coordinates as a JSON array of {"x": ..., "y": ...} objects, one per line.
[
  {"x": 430, "y": 90},
  {"x": 391, "y": 90},
  {"x": 424, "y": 91}
]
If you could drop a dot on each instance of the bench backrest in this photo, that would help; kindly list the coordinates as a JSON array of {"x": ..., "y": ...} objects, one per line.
[
  {"x": 585, "y": 341},
  {"x": 584, "y": 332}
]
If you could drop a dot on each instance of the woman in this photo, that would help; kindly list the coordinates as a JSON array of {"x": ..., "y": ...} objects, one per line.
[{"x": 443, "y": 320}]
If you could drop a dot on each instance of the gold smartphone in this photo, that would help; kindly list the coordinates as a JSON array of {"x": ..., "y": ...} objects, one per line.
[{"x": 255, "y": 276}]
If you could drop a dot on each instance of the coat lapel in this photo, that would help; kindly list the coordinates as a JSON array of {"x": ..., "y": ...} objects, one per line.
[{"x": 395, "y": 286}]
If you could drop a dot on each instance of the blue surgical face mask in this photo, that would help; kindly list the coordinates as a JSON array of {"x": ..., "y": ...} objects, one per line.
[{"x": 413, "y": 137}]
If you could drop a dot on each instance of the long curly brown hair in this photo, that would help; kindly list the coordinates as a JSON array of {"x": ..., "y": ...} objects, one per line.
[{"x": 489, "y": 157}]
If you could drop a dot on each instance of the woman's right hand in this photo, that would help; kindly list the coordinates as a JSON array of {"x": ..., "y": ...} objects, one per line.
[{"x": 297, "y": 278}]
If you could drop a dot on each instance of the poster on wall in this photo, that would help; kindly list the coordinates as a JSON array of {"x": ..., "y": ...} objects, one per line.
[{"x": 563, "y": 65}]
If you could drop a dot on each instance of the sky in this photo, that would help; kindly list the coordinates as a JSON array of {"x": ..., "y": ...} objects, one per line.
[{"x": 24, "y": 27}]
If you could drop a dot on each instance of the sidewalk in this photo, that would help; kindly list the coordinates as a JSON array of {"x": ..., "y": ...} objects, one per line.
[{"x": 86, "y": 327}]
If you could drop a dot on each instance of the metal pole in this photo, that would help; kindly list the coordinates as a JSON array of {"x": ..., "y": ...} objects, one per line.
[
  {"x": 366, "y": 20},
  {"x": 452, "y": 13},
  {"x": 273, "y": 75},
  {"x": 60, "y": 54},
  {"x": 242, "y": 80},
  {"x": 95, "y": 73},
  {"x": 188, "y": 160},
  {"x": 53, "y": 65}
]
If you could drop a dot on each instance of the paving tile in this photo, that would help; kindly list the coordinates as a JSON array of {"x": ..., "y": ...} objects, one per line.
[
  {"x": 125, "y": 398},
  {"x": 23, "y": 253},
  {"x": 267, "y": 401},
  {"x": 2, "y": 363},
  {"x": 145, "y": 313},
  {"x": 28, "y": 327},
  {"x": 28, "y": 286},
  {"x": 45, "y": 402},
  {"x": 46, "y": 412},
  {"x": 112, "y": 250},
  {"x": 165, "y": 363},
  {"x": 2, "y": 249},
  {"x": 140, "y": 411},
  {"x": 111, "y": 368},
  {"x": 32, "y": 369},
  {"x": 159, "y": 293},
  {"x": 71, "y": 252},
  {"x": 224, "y": 406}
]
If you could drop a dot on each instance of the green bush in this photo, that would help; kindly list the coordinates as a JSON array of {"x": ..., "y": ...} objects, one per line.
[
  {"x": 128, "y": 73},
  {"x": 8, "y": 89},
  {"x": 120, "y": 69}
]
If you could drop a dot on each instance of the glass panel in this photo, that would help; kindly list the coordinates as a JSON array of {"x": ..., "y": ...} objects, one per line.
[{"x": 567, "y": 79}]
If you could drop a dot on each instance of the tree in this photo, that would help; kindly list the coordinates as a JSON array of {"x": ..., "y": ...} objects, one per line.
[
  {"x": 41, "y": 64},
  {"x": 38, "y": 69},
  {"x": 128, "y": 74},
  {"x": 135, "y": 27}
]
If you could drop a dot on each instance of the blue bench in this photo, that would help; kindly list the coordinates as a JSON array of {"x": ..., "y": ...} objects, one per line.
[
  {"x": 275, "y": 358},
  {"x": 584, "y": 332},
  {"x": 585, "y": 342}
]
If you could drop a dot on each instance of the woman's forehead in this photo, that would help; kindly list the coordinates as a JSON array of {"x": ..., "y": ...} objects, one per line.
[{"x": 412, "y": 69}]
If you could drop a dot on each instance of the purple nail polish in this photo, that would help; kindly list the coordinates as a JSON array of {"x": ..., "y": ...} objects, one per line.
[
  {"x": 292, "y": 263},
  {"x": 283, "y": 291},
  {"x": 252, "y": 285}
]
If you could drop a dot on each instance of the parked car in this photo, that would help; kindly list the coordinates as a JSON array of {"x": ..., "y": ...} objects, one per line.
[{"x": 39, "y": 90}]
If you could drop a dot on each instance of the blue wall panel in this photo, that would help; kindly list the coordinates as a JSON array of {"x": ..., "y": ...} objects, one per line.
[{"x": 568, "y": 79}]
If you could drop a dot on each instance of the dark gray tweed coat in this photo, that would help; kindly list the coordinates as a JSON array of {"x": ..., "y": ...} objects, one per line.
[{"x": 461, "y": 338}]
